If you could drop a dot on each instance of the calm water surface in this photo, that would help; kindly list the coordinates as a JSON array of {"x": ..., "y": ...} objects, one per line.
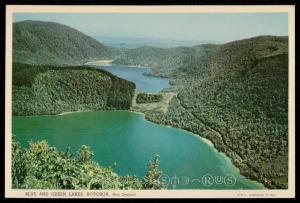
[
  {"x": 135, "y": 74},
  {"x": 127, "y": 139}
]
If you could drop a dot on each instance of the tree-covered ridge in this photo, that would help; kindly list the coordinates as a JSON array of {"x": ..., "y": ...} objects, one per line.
[
  {"x": 237, "y": 96},
  {"x": 164, "y": 60},
  {"x": 38, "y": 42},
  {"x": 40, "y": 166},
  {"x": 39, "y": 89}
]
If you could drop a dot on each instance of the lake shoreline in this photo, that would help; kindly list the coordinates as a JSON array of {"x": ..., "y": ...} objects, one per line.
[
  {"x": 109, "y": 62},
  {"x": 231, "y": 160},
  {"x": 230, "y": 157},
  {"x": 221, "y": 166},
  {"x": 220, "y": 147},
  {"x": 100, "y": 62},
  {"x": 69, "y": 112}
]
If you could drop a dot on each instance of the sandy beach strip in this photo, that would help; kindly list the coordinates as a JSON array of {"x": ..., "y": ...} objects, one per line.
[{"x": 100, "y": 62}]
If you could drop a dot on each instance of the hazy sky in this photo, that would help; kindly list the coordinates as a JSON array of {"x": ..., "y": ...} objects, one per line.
[{"x": 209, "y": 27}]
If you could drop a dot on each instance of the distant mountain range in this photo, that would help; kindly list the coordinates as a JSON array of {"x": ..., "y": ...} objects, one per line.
[{"x": 131, "y": 42}]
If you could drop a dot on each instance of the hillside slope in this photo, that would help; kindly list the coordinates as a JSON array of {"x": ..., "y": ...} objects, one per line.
[
  {"x": 165, "y": 61},
  {"x": 38, "y": 42},
  {"x": 40, "y": 89},
  {"x": 237, "y": 96}
]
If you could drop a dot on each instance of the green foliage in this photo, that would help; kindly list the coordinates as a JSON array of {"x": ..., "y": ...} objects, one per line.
[
  {"x": 38, "y": 42},
  {"x": 121, "y": 93},
  {"x": 18, "y": 164},
  {"x": 234, "y": 94},
  {"x": 148, "y": 98},
  {"x": 42, "y": 167},
  {"x": 151, "y": 179},
  {"x": 237, "y": 96},
  {"x": 84, "y": 154},
  {"x": 24, "y": 74},
  {"x": 53, "y": 90},
  {"x": 166, "y": 61}
]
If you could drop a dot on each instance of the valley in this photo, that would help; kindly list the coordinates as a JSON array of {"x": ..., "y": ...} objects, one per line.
[
  {"x": 234, "y": 94},
  {"x": 226, "y": 94}
]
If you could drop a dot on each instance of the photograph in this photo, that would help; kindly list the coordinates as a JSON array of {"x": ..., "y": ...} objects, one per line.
[{"x": 149, "y": 101}]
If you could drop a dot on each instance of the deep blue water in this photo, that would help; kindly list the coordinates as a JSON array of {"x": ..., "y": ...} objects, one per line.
[{"x": 135, "y": 74}]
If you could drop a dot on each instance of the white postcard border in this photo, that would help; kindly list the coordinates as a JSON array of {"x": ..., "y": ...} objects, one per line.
[{"x": 24, "y": 193}]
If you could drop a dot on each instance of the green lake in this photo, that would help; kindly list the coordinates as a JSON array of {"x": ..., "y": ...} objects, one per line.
[{"x": 127, "y": 139}]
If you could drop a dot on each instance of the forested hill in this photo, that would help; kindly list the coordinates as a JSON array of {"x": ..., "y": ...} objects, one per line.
[
  {"x": 236, "y": 95},
  {"x": 202, "y": 59},
  {"x": 45, "y": 89},
  {"x": 165, "y": 61},
  {"x": 38, "y": 42}
]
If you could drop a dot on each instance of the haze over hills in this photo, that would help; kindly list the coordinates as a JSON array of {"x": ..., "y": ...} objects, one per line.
[
  {"x": 235, "y": 94},
  {"x": 131, "y": 42},
  {"x": 53, "y": 43}
]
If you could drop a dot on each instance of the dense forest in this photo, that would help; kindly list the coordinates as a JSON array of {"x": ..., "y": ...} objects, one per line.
[
  {"x": 143, "y": 98},
  {"x": 234, "y": 94},
  {"x": 39, "y": 166},
  {"x": 164, "y": 60},
  {"x": 37, "y": 42},
  {"x": 42, "y": 89}
]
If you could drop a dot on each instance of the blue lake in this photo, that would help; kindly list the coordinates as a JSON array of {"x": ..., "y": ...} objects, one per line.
[{"x": 135, "y": 74}]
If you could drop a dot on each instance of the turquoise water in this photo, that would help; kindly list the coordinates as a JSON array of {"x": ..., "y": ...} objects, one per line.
[
  {"x": 135, "y": 74},
  {"x": 127, "y": 139}
]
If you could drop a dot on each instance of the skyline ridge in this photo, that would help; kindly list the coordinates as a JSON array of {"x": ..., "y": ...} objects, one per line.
[{"x": 211, "y": 27}]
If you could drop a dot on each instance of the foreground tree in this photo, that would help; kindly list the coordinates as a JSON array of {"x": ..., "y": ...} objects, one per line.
[
  {"x": 151, "y": 179},
  {"x": 42, "y": 167}
]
